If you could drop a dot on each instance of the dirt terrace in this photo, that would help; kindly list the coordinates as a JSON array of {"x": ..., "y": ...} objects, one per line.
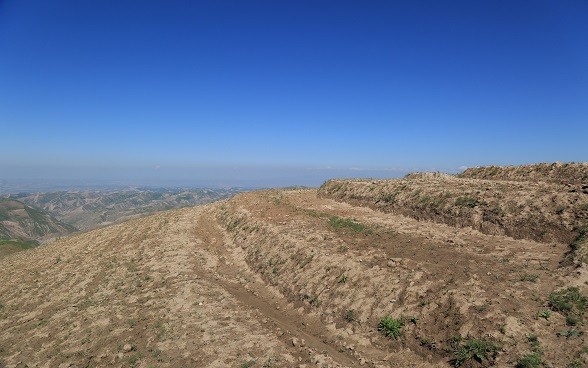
[
  {"x": 285, "y": 279},
  {"x": 538, "y": 211}
]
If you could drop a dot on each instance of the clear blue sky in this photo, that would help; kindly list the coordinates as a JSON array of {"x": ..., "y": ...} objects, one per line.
[{"x": 287, "y": 92}]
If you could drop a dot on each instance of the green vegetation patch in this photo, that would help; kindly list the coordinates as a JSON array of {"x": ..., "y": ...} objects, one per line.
[
  {"x": 579, "y": 247},
  {"x": 13, "y": 246},
  {"x": 468, "y": 201},
  {"x": 532, "y": 360},
  {"x": 569, "y": 302},
  {"x": 341, "y": 223},
  {"x": 479, "y": 350}
]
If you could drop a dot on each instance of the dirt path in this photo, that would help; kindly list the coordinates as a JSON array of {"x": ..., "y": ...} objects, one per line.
[{"x": 166, "y": 286}]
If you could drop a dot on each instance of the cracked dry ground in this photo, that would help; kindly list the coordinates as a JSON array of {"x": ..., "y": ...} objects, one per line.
[{"x": 268, "y": 279}]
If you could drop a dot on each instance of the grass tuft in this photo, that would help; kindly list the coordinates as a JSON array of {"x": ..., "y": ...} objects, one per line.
[
  {"x": 476, "y": 349},
  {"x": 391, "y": 327}
]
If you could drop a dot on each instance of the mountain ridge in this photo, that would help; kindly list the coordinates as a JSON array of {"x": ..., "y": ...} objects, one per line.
[{"x": 21, "y": 221}]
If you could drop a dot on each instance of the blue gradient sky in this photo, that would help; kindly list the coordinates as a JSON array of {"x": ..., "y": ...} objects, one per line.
[{"x": 287, "y": 92}]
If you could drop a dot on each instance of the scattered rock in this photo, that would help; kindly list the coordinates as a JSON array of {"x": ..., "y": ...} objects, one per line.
[{"x": 127, "y": 348}]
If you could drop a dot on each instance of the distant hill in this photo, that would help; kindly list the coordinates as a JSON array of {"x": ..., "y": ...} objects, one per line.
[
  {"x": 23, "y": 222},
  {"x": 94, "y": 208}
]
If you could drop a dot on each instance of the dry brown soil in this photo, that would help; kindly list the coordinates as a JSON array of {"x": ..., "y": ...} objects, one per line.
[{"x": 281, "y": 278}]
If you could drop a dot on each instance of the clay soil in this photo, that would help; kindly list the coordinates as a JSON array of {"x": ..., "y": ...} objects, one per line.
[{"x": 286, "y": 278}]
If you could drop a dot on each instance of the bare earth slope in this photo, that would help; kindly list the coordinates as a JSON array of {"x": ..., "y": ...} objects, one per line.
[
  {"x": 20, "y": 221},
  {"x": 558, "y": 172},
  {"x": 285, "y": 278},
  {"x": 539, "y": 211}
]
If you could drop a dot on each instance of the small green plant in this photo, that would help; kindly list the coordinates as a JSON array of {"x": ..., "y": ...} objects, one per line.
[
  {"x": 414, "y": 320},
  {"x": 477, "y": 349},
  {"x": 572, "y": 320},
  {"x": 343, "y": 279},
  {"x": 156, "y": 354},
  {"x": 467, "y": 201},
  {"x": 314, "y": 301},
  {"x": 134, "y": 359},
  {"x": 528, "y": 277},
  {"x": 269, "y": 362},
  {"x": 349, "y": 315},
  {"x": 502, "y": 328},
  {"x": 388, "y": 198},
  {"x": 575, "y": 363},
  {"x": 570, "y": 333},
  {"x": 544, "y": 313},
  {"x": 391, "y": 327},
  {"x": 248, "y": 364},
  {"x": 533, "y": 340},
  {"x": 532, "y": 360}
]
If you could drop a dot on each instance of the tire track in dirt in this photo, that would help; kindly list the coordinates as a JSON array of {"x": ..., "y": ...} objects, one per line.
[{"x": 286, "y": 322}]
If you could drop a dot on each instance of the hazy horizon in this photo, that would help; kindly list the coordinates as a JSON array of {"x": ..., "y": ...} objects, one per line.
[
  {"x": 50, "y": 179},
  {"x": 269, "y": 94}
]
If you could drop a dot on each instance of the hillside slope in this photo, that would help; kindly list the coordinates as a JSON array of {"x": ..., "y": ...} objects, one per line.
[
  {"x": 285, "y": 278},
  {"x": 20, "y": 221},
  {"x": 539, "y": 211}
]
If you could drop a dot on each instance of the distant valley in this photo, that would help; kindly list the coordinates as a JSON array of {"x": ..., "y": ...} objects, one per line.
[
  {"x": 30, "y": 218},
  {"x": 20, "y": 221},
  {"x": 90, "y": 209}
]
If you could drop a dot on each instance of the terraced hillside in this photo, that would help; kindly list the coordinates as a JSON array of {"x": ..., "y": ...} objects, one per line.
[
  {"x": 294, "y": 278},
  {"x": 558, "y": 172},
  {"x": 540, "y": 211}
]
